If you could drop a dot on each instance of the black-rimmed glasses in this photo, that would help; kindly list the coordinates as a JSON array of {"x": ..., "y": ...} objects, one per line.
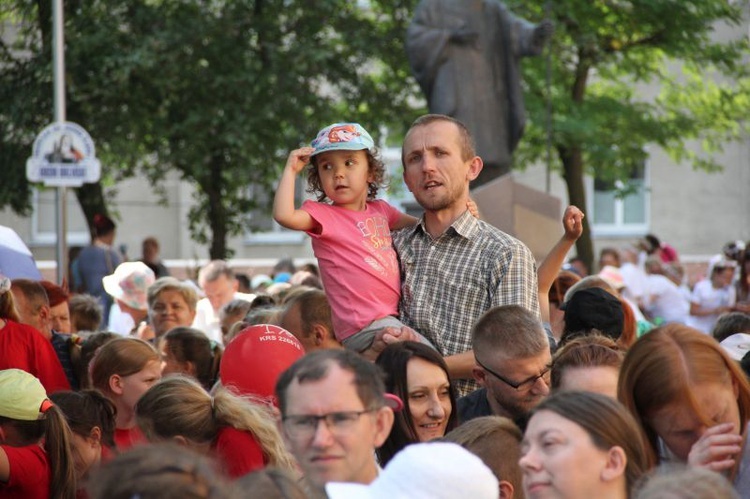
[
  {"x": 338, "y": 423},
  {"x": 523, "y": 385}
]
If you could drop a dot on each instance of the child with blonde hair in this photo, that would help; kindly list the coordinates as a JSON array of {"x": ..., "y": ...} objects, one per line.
[{"x": 241, "y": 433}]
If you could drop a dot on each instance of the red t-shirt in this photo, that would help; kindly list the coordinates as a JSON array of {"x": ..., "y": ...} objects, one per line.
[
  {"x": 23, "y": 347},
  {"x": 130, "y": 437},
  {"x": 238, "y": 452},
  {"x": 30, "y": 473}
]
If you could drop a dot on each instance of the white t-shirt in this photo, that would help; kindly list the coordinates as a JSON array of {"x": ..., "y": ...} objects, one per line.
[
  {"x": 666, "y": 300},
  {"x": 207, "y": 320},
  {"x": 636, "y": 282},
  {"x": 706, "y": 296}
]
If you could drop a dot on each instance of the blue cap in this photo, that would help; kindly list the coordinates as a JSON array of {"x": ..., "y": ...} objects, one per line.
[{"x": 342, "y": 137}]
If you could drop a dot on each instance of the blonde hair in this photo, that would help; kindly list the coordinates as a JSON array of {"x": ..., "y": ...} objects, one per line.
[
  {"x": 121, "y": 356},
  {"x": 179, "y": 406},
  {"x": 8, "y": 307}
]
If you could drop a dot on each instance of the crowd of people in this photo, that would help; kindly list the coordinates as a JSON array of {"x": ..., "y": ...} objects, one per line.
[{"x": 425, "y": 357}]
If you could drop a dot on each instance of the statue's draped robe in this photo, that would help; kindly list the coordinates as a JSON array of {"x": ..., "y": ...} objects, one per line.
[{"x": 478, "y": 83}]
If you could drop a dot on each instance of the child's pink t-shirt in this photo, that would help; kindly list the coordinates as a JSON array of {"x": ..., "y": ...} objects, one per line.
[{"x": 358, "y": 265}]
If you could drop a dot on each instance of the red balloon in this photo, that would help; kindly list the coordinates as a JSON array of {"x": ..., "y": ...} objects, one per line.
[{"x": 256, "y": 357}]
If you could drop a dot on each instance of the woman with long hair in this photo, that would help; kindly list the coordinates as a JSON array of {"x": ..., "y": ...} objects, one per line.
[
  {"x": 691, "y": 399},
  {"x": 418, "y": 375},
  {"x": 241, "y": 433},
  {"x": 582, "y": 444}
]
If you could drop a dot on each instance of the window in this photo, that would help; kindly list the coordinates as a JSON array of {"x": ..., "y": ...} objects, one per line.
[{"x": 621, "y": 208}]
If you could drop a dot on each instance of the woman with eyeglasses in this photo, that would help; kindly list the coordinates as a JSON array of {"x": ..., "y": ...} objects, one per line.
[
  {"x": 418, "y": 375},
  {"x": 240, "y": 433}
]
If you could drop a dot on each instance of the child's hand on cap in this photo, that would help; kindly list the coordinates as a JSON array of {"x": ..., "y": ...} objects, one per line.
[{"x": 298, "y": 158}]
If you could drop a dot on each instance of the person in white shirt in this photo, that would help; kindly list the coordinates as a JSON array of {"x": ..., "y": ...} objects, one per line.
[
  {"x": 665, "y": 302},
  {"x": 219, "y": 284},
  {"x": 713, "y": 296}
]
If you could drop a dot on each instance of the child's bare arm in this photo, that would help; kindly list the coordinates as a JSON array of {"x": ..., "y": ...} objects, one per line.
[
  {"x": 283, "y": 203},
  {"x": 550, "y": 267}
]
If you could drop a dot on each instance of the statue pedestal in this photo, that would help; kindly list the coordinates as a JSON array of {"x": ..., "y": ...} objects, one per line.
[{"x": 527, "y": 214}]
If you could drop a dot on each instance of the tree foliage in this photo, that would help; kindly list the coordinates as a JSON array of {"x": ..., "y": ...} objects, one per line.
[
  {"x": 606, "y": 57},
  {"x": 218, "y": 91}
]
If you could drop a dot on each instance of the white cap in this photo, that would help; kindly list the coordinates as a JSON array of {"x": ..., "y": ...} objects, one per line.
[
  {"x": 432, "y": 470},
  {"x": 737, "y": 345}
]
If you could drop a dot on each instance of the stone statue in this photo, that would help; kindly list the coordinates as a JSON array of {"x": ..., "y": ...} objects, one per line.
[{"x": 465, "y": 54}]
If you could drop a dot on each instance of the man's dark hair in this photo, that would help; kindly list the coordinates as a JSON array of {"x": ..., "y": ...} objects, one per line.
[
  {"x": 729, "y": 324},
  {"x": 313, "y": 309},
  {"x": 33, "y": 291},
  {"x": 315, "y": 366}
]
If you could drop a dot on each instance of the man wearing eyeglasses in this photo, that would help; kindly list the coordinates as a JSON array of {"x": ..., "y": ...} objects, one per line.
[
  {"x": 333, "y": 417},
  {"x": 513, "y": 359}
]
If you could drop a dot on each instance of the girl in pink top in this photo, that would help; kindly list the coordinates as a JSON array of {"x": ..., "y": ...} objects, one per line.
[{"x": 350, "y": 229}]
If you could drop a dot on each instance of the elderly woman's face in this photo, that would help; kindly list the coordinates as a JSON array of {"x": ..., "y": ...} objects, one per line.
[
  {"x": 559, "y": 459},
  {"x": 60, "y": 318},
  {"x": 170, "y": 310}
]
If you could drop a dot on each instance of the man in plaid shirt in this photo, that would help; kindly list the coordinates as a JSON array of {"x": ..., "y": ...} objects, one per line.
[{"x": 454, "y": 267}]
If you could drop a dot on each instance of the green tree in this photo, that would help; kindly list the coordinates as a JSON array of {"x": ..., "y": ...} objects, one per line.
[
  {"x": 218, "y": 91},
  {"x": 604, "y": 53}
]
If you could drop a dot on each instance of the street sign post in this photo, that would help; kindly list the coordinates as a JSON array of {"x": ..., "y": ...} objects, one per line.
[{"x": 63, "y": 156}]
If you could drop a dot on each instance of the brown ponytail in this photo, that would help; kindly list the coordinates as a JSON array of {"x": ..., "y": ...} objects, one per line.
[{"x": 57, "y": 444}]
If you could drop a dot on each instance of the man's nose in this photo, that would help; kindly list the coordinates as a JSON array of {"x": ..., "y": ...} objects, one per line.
[{"x": 323, "y": 436}]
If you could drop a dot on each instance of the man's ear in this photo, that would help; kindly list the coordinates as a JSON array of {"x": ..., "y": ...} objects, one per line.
[
  {"x": 45, "y": 315},
  {"x": 475, "y": 167},
  {"x": 235, "y": 285},
  {"x": 115, "y": 384},
  {"x": 319, "y": 334},
  {"x": 506, "y": 490},
  {"x": 479, "y": 375},
  {"x": 383, "y": 423},
  {"x": 616, "y": 463}
]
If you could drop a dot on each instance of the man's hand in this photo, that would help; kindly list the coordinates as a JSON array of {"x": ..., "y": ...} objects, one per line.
[{"x": 385, "y": 337}]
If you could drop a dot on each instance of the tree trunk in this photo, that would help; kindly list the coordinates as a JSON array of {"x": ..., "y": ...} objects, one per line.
[
  {"x": 572, "y": 160},
  {"x": 217, "y": 213},
  {"x": 91, "y": 199}
]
